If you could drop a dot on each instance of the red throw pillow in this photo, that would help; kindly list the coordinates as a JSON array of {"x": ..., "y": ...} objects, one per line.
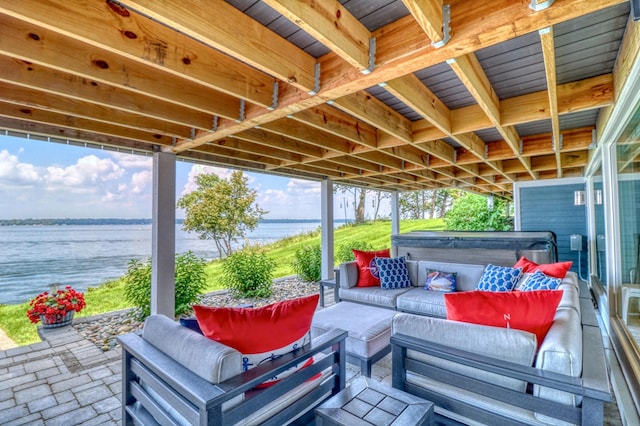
[
  {"x": 531, "y": 311},
  {"x": 367, "y": 269},
  {"x": 261, "y": 334},
  {"x": 556, "y": 270}
]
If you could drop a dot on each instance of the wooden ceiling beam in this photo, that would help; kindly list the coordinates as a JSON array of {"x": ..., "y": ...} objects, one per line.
[
  {"x": 229, "y": 30},
  {"x": 549, "y": 54},
  {"x": 102, "y": 66},
  {"x": 65, "y": 121},
  {"x": 269, "y": 139},
  {"x": 369, "y": 109},
  {"x": 401, "y": 50},
  {"x": 428, "y": 14},
  {"x": 470, "y": 72},
  {"x": 332, "y": 25},
  {"x": 293, "y": 129},
  {"x": 338, "y": 123},
  {"x": 18, "y": 95},
  {"x": 110, "y": 27},
  {"x": 63, "y": 85}
]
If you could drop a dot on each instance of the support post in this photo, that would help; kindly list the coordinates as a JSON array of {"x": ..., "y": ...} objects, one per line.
[
  {"x": 326, "y": 207},
  {"x": 163, "y": 238},
  {"x": 395, "y": 218}
]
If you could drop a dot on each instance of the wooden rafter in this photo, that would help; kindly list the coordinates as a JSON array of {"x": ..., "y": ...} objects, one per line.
[
  {"x": 332, "y": 25},
  {"x": 470, "y": 72},
  {"x": 549, "y": 53},
  {"x": 428, "y": 14}
]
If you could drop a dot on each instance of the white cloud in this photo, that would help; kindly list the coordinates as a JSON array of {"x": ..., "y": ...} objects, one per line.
[
  {"x": 199, "y": 169},
  {"x": 88, "y": 170},
  {"x": 299, "y": 200},
  {"x": 132, "y": 161},
  {"x": 140, "y": 181},
  {"x": 15, "y": 173}
]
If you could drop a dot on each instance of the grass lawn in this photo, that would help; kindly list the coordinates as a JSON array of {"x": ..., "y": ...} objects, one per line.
[{"x": 109, "y": 296}]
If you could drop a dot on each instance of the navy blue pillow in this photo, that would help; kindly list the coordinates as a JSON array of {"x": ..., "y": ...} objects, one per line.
[{"x": 191, "y": 323}]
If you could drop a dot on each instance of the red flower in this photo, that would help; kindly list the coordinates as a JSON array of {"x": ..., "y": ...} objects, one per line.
[{"x": 55, "y": 305}]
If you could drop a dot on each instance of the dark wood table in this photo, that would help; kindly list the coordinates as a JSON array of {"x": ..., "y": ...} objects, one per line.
[{"x": 366, "y": 402}]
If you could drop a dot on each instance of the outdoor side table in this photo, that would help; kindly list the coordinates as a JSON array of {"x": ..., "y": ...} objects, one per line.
[
  {"x": 332, "y": 283},
  {"x": 366, "y": 402}
]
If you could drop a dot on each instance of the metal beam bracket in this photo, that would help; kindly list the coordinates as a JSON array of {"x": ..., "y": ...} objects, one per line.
[
  {"x": 540, "y": 5},
  {"x": 372, "y": 56},
  {"x": 594, "y": 139},
  {"x": 242, "y": 107},
  {"x": 446, "y": 27},
  {"x": 193, "y": 133},
  {"x": 486, "y": 151},
  {"x": 521, "y": 147},
  {"x": 274, "y": 97},
  {"x": 557, "y": 145},
  {"x": 214, "y": 127},
  {"x": 316, "y": 80},
  {"x": 427, "y": 161},
  {"x": 455, "y": 156}
]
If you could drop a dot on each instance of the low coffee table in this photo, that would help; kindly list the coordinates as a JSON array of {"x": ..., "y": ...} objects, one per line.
[
  {"x": 369, "y": 331},
  {"x": 366, "y": 402}
]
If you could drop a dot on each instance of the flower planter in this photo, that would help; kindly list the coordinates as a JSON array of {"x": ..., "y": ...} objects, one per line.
[{"x": 57, "y": 321}]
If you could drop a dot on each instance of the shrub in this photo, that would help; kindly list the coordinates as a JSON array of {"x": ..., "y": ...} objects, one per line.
[
  {"x": 190, "y": 280},
  {"x": 248, "y": 273},
  {"x": 344, "y": 253},
  {"x": 307, "y": 262}
]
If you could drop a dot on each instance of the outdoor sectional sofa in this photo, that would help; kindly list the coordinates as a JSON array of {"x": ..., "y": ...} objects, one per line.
[{"x": 481, "y": 374}]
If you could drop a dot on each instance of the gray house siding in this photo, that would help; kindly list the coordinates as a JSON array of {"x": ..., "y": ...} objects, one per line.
[{"x": 551, "y": 208}]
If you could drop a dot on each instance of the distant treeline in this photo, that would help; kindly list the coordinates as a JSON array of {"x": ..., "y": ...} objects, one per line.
[{"x": 112, "y": 221}]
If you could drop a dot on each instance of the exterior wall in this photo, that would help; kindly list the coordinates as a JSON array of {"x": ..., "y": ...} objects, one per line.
[{"x": 551, "y": 208}]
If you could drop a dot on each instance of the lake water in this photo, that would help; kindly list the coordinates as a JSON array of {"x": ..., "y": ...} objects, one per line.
[{"x": 32, "y": 257}]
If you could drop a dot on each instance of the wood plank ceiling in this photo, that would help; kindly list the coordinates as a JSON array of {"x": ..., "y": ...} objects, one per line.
[{"x": 364, "y": 92}]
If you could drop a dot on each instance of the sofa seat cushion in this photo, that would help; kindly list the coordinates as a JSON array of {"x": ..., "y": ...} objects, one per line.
[
  {"x": 423, "y": 302},
  {"x": 374, "y": 296},
  {"x": 369, "y": 327},
  {"x": 467, "y": 275}
]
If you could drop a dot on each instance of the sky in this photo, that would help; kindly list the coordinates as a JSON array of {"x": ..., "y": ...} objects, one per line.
[{"x": 43, "y": 180}]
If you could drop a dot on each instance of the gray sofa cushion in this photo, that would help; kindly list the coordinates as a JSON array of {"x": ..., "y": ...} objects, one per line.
[
  {"x": 561, "y": 352},
  {"x": 375, "y": 296},
  {"x": 467, "y": 275},
  {"x": 424, "y": 302},
  {"x": 369, "y": 327},
  {"x": 508, "y": 344},
  {"x": 212, "y": 361}
]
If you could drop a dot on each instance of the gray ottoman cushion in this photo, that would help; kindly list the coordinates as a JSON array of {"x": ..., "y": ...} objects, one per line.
[{"x": 369, "y": 327}]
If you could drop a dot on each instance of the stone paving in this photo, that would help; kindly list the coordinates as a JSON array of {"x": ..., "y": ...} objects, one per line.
[{"x": 63, "y": 380}]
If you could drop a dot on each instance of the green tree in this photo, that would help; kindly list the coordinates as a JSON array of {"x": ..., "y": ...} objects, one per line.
[
  {"x": 427, "y": 204},
  {"x": 473, "y": 212},
  {"x": 221, "y": 210}
]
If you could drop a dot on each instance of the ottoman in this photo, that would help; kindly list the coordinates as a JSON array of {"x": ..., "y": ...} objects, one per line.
[{"x": 369, "y": 331}]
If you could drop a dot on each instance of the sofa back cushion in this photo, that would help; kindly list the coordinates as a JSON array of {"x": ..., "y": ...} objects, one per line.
[
  {"x": 212, "y": 361},
  {"x": 502, "y": 343},
  {"x": 467, "y": 276},
  {"x": 561, "y": 352}
]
